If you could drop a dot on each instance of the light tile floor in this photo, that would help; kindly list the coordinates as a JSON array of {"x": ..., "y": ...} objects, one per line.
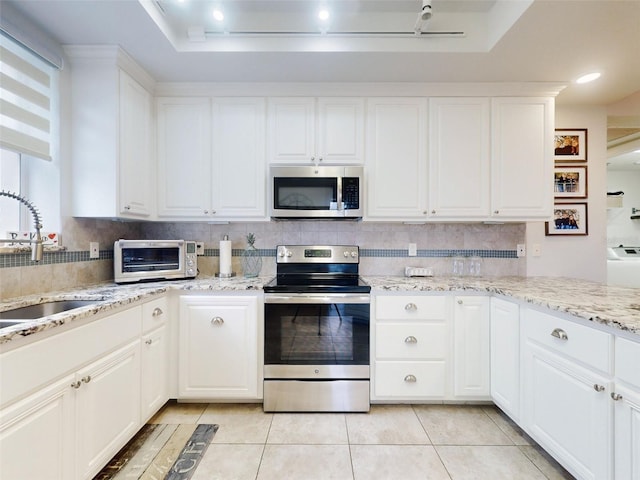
[{"x": 426, "y": 442}]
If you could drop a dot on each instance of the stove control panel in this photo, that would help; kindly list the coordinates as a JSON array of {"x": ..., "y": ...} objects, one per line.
[{"x": 317, "y": 254}]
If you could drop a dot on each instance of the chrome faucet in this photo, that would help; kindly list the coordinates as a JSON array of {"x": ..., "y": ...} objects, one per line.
[{"x": 36, "y": 245}]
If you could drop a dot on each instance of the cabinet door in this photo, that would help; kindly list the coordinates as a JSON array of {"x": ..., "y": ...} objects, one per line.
[
  {"x": 340, "y": 130},
  {"x": 459, "y": 157},
  {"x": 239, "y": 178},
  {"x": 471, "y": 348},
  {"x": 154, "y": 369},
  {"x": 627, "y": 433},
  {"x": 218, "y": 347},
  {"x": 107, "y": 407},
  {"x": 522, "y": 157},
  {"x": 396, "y": 158},
  {"x": 567, "y": 410},
  {"x": 505, "y": 356},
  {"x": 36, "y": 435},
  {"x": 184, "y": 157},
  {"x": 136, "y": 173},
  {"x": 291, "y": 130}
]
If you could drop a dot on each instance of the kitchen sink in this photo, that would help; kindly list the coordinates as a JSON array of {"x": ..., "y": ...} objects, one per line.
[
  {"x": 40, "y": 310},
  {"x": 11, "y": 323}
]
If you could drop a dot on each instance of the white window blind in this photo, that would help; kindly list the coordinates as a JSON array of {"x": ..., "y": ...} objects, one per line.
[{"x": 25, "y": 100}]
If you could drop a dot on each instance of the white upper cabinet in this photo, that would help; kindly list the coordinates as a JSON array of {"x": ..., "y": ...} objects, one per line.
[
  {"x": 328, "y": 130},
  {"x": 111, "y": 148},
  {"x": 184, "y": 157},
  {"x": 459, "y": 157},
  {"x": 396, "y": 165},
  {"x": 522, "y": 157},
  {"x": 211, "y": 158}
]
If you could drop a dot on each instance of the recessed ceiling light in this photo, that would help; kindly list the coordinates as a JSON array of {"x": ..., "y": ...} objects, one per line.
[
  {"x": 323, "y": 14},
  {"x": 589, "y": 77},
  {"x": 218, "y": 15}
]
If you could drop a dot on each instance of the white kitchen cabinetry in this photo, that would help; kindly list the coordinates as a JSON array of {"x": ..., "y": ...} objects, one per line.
[
  {"x": 471, "y": 359},
  {"x": 211, "y": 158},
  {"x": 459, "y": 157},
  {"x": 112, "y": 172},
  {"x": 327, "y": 130},
  {"x": 37, "y": 435},
  {"x": 107, "y": 409},
  {"x": 626, "y": 399},
  {"x": 218, "y": 347},
  {"x": 79, "y": 407},
  {"x": 154, "y": 357},
  {"x": 184, "y": 157},
  {"x": 522, "y": 157},
  {"x": 505, "y": 356},
  {"x": 567, "y": 407},
  {"x": 396, "y": 165},
  {"x": 412, "y": 335}
]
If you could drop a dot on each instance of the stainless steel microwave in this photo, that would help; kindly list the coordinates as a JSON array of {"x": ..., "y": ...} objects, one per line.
[
  {"x": 316, "y": 192},
  {"x": 148, "y": 260}
]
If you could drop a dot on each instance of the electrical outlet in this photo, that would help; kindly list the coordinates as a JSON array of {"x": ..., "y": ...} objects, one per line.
[
  {"x": 521, "y": 250},
  {"x": 94, "y": 250},
  {"x": 199, "y": 248},
  {"x": 413, "y": 250},
  {"x": 536, "y": 251}
]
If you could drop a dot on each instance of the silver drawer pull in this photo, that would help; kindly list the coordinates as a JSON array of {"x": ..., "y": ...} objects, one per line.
[
  {"x": 148, "y": 342},
  {"x": 616, "y": 396},
  {"x": 217, "y": 321},
  {"x": 410, "y": 379},
  {"x": 411, "y": 339},
  {"x": 157, "y": 312},
  {"x": 410, "y": 307},
  {"x": 86, "y": 379},
  {"x": 76, "y": 385},
  {"x": 598, "y": 388},
  {"x": 559, "y": 333}
]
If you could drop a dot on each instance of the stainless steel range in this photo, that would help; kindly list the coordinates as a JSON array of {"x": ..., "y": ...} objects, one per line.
[{"x": 316, "y": 344}]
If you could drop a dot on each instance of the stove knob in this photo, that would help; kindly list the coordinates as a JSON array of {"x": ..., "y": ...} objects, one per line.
[
  {"x": 354, "y": 254},
  {"x": 289, "y": 253},
  {"x": 346, "y": 254}
]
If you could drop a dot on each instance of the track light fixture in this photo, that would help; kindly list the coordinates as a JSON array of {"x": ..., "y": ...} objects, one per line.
[{"x": 423, "y": 17}]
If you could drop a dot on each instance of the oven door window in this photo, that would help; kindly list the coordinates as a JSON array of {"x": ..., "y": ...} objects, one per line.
[
  {"x": 150, "y": 259},
  {"x": 316, "y": 334},
  {"x": 301, "y": 193}
]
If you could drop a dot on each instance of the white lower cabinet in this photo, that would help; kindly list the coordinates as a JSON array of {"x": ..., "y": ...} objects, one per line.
[
  {"x": 218, "y": 347},
  {"x": 567, "y": 386},
  {"x": 37, "y": 435},
  {"x": 154, "y": 357},
  {"x": 471, "y": 356},
  {"x": 505, "y": 356},
  {"x": 107, "y": 409}
]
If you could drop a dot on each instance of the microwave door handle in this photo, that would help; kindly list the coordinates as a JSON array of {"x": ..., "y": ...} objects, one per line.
[{"x": 339, "y": 193}]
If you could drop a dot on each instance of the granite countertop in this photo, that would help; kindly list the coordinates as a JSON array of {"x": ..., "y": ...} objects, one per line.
[{"x": 616, "y": 307}]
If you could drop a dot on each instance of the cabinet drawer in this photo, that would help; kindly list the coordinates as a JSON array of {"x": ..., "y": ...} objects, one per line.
[
  {"x": 628, "y": 361},
  {"x": 411, "y": 307},
  {"x": 418, "y": 341},
  {"x": 410, "y": 379},
  {"x": 154, "y": 314},
  {"x": 585, "y": 344}
]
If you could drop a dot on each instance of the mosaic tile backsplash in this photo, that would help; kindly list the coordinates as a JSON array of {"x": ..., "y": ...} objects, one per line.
[{"x": 383, "y": 248}]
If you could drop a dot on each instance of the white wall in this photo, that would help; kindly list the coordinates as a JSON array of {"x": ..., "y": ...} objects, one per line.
[{"x": 581, "y": 257}]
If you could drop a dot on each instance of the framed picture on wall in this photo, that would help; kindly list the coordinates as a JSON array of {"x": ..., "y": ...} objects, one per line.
[
  {"x": 570, "y": 145},
  {"x": 570, "y": 182},
  {"x": 569, "y": 219}
]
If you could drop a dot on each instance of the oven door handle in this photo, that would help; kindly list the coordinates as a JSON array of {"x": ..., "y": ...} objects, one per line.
[{"x": 334, "y": 298}]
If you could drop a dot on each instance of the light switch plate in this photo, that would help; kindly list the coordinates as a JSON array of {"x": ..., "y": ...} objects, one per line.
[
  {"x": 413, "y": 250},
  {"x": 94, "y": 250},
  {"x": 521, "y": 250}
]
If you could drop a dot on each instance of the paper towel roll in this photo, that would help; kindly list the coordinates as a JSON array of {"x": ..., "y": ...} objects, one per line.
[{"x": 225, "y": 257}]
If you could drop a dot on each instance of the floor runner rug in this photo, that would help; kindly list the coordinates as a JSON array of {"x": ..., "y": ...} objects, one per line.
[{"x": 161, "y": 452}]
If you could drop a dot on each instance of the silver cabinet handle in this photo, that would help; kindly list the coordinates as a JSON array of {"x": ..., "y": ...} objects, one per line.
[
  {"x": 411, "y": 339},
  {"x": 157, "y": 312},
  {"x": 410, "y": 379},
  {"x": 616, "y": 396},
  {"x": 559, "y": 333},
  {"x": 127, "y": 207},
  {"x": 149, "y": 342},
  {"x": 86, "y": 379},
  {"x": 76, "y": 385},
  {"x": 598, "y": 388},
  {"x": 496, "y": 212},
  {"x": 410, "y": 307},
  {"x": 206, "y": 212},
  {"x": 459, "y": 302},
  {"x": 217, "y": 321}
]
